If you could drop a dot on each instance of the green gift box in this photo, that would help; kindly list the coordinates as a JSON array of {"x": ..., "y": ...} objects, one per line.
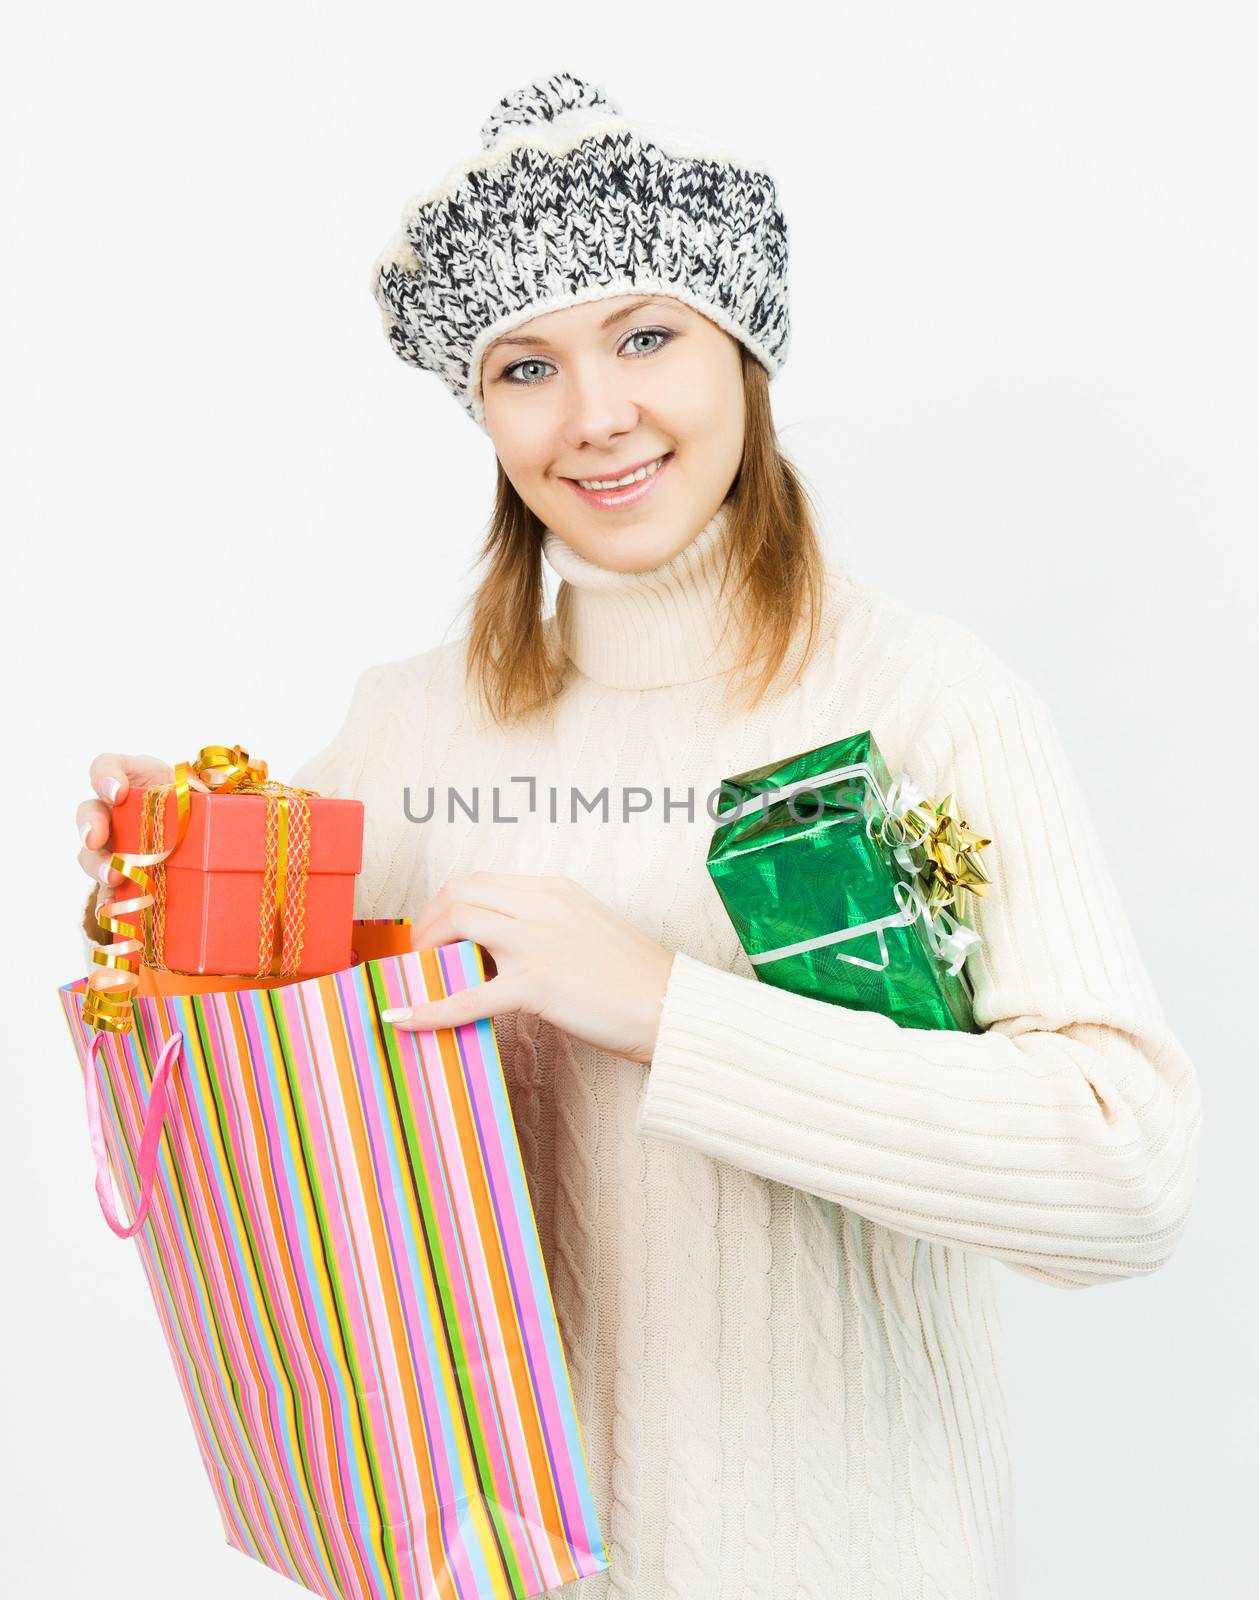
[{"x": 839, "y": 883}]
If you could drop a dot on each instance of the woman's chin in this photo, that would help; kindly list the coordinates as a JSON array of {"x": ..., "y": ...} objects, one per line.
[{"x": 628, "y": 549}]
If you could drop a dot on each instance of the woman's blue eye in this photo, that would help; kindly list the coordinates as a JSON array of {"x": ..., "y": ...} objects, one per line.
[
  {"x": 534, "y": 361},
  {"x": 650, "y": 333},
  {"x": 523, "y": 382}
]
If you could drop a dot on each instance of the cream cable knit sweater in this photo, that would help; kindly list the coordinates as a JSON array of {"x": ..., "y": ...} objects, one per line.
[{"x": 772, "y": 1251}]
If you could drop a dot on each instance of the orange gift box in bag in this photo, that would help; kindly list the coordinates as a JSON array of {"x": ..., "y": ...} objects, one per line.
[{"x": 258, "y": 881}]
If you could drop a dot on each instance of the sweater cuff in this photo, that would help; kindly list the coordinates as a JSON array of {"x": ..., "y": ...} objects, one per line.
[{"x": 691, "y": 1094}]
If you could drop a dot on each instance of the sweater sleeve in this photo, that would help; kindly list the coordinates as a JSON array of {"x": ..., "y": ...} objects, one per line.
[{"x": 1062, "y": 1140}]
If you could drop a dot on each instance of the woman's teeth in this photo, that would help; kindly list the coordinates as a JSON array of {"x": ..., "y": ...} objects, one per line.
[{"x": 620, "y": 483}]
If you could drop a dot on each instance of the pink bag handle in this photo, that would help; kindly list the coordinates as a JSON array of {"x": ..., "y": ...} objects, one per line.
[{"x": 150, "y": 1138}]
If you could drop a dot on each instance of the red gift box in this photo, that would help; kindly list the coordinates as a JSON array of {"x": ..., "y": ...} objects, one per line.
[{"x": 209, "y": 914}]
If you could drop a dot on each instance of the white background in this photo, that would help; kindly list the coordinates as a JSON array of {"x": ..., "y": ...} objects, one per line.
[{"x": 1021, "y": 386}]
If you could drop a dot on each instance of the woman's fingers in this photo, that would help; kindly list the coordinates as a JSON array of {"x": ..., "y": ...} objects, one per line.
[
  {"x": 468, "y": 1005},
  {"x": 490, "y": 928},
  {"x": 112, "y": 774},
  {"x": 92, "y": 822},
  {"x": 513, "y": 896},
  {"x": 96, "y": 864}
]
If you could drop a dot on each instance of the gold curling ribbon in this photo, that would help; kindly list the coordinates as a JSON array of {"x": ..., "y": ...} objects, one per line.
[
  {"x": 950, "y": 870},
  {"x": 282, "y": 909}
]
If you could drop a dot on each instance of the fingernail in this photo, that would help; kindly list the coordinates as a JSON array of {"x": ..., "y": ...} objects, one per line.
[
  {"x": 111, "y": 787},
  {"x": 84, "y": 829},
  {"x": 102, "y": 872},
  {"x": 396, "y": 1015}
]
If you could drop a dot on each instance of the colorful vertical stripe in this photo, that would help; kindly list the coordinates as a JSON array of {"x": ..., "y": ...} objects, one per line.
[{"x": 342, "y": 1252}]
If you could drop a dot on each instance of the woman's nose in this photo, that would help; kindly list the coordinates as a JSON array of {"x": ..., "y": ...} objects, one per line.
[{"x": 599, "y": 408}]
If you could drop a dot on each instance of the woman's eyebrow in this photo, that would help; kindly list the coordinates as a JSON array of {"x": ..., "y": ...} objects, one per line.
[{"x": 608, "y": 322}]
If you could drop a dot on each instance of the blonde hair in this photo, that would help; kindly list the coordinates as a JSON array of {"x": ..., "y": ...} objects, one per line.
[{"x": 773, "y": 579}]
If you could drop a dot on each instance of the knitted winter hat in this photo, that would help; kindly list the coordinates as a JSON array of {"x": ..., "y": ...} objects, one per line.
[{"x": 569, "y": 202}]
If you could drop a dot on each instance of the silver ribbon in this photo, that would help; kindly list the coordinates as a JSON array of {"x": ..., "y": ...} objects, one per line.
[{"x": 950, "y": 940}]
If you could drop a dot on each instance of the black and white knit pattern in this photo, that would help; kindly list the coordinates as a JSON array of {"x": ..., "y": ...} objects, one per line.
[
  {"x": 569, "y": 202},
  {"x": 543, "y": 101}
]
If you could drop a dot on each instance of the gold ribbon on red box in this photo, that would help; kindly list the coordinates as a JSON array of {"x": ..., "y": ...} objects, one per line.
[{"x": 223, "y": 769}]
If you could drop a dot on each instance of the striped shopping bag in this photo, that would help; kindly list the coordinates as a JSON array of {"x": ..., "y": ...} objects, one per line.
[{"x": 336, "y": 1229}]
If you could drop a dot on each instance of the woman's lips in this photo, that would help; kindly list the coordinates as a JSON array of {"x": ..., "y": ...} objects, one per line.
[{"x": 613, "y": 499}]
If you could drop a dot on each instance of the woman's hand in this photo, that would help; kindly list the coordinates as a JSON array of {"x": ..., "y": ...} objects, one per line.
[
  {"x": 559, "y": 952},
  {"x": 111, "y": 776}
]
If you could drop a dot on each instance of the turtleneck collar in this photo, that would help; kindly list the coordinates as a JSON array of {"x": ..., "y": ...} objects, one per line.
[{"x": 644, "y": 630}]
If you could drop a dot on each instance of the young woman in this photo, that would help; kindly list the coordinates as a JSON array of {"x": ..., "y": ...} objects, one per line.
[{"x": 769, "y": 1222}]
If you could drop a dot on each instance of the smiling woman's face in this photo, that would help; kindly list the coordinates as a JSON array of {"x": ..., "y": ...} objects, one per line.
[{"x": 594, "y": 391}]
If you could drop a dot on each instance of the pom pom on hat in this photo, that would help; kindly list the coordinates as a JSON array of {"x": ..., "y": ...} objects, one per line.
[{"x": 544, "y": 101}]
